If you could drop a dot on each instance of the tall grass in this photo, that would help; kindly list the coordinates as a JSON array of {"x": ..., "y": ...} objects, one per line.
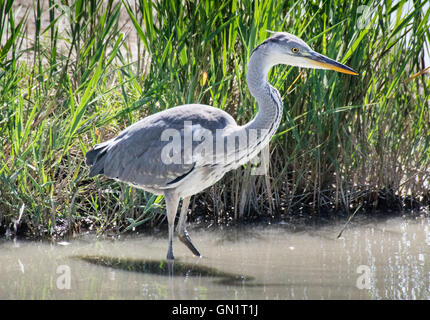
[{"x": 344, "y": 143}]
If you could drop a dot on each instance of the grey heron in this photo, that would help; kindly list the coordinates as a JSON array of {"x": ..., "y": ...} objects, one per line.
[{"x": 181, "y": 151}]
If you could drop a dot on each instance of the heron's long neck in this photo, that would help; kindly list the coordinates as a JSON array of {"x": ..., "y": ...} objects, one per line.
[
  {"x": 269, "y": 102},
  {"x": 257, "y": 133}
]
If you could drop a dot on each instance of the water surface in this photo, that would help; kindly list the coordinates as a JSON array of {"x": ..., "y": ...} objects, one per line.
[{"x": 378, "y": 260}]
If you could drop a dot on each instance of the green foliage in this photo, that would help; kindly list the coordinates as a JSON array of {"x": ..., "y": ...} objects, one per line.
[{"x": 345, "y": 142}]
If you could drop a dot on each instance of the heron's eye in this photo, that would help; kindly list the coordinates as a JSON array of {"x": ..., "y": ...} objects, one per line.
[{"x": 295, "y": 50}]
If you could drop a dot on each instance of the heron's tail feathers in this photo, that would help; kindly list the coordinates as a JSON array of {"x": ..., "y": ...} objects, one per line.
[{"x": 96, "y": 159}]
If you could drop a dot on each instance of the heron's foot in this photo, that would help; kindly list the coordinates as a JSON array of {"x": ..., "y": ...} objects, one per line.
[
  {"x": 170, "y": 256},
  {"x": 170, "y": 264},
  {"x": 185, "y": 239}
]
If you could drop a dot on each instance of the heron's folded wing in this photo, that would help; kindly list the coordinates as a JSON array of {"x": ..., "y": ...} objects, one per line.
[{"x": 158, "y": 151}]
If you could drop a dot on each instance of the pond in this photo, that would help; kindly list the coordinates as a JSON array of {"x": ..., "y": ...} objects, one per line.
[{"x": 385, "y": 259}]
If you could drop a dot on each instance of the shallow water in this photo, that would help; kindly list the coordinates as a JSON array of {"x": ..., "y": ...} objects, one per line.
[{"x": 379, "y": 260}]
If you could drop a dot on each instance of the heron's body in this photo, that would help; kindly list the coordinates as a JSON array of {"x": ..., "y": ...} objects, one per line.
[
  {"x": 208, "y": 142},
  {"x": 142, "y": 143}
]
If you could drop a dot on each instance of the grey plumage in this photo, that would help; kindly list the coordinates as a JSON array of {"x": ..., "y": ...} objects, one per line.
[
  {"x": 134, "y": 156},
  {"x": 138, "y": 154}
]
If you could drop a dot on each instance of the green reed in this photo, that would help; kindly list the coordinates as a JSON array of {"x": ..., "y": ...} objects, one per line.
[{"x": 345, "y": 142}]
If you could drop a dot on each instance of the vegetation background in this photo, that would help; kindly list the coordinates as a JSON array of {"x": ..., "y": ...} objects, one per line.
[{"x": 74, "y": 73}]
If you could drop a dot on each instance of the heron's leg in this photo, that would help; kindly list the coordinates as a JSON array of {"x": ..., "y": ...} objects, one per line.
[
  {"x": 183, "y": 216},
  {"x": 172, "y": 201},
  {"x": 182, "y": 231}
]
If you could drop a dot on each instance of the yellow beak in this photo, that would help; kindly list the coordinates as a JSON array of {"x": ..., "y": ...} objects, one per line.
[{"x": 322, "y": 62}]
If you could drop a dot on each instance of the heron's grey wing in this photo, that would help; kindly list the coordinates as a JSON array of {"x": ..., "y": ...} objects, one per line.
[{"x": 138, "y": 154}]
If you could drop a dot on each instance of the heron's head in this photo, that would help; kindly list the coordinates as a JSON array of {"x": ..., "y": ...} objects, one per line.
[{"x": 285, "y": 48}]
